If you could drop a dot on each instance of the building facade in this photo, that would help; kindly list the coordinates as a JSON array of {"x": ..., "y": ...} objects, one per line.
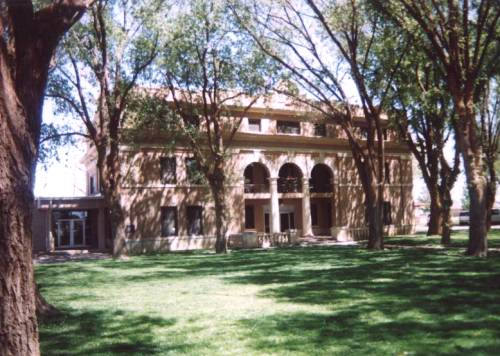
[{"x": 290, "y": 176}]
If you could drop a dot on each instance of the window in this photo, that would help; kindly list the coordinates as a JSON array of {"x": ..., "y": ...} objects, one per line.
[
  {"x": 320, "y": 130},
  {"x": 288, "y": 127},
  {"x": 364, "y": 132},
  {"x": 193, "y": 172},
  {"x": 168, "y": 170},
  {"x": 249, "y": 217},
  {"x": 254, "y": 125},
  {"x": 314, "y": 215},
  {"x": 384, "y": 134},
  {"x": 169, "y": 221},
  {"x": 387, "y": 213},
  {"x": 195, "y": 220},
  {"x": 92, "y": 189},
  {"x": 387, "y": 167}
]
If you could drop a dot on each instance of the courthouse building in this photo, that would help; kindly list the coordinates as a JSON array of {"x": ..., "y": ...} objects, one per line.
[{"x": 291, "y": 175}]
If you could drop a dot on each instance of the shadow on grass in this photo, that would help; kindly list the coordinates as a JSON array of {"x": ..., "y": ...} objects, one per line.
[
  {"x": 387, "y": 302},
  {"x": 459, "y": 239},
  {"x": 101, "y": 332}
]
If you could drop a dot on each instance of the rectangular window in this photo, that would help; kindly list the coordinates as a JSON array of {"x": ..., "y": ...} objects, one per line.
[
  {"x": 249, "y": 217},
  {"x": 384, "y": 134},
  {"x": 254, "y": 125},
  {"x": 387, "y": 213},
  {"x": 288, "y": 127},
  {"x": 314, "y": 214},
  {"x": 92, "y": 185},
  {"x": 364, "y": 132},
  {"x": 168, "y": 170},
  {"x": 387, "y": 167},
  {"x": 195, "y": 220},
  {"x": 193, "y": 172},
  {"x": 169, "y": 221},
  {"x": 320, "y": 130}
]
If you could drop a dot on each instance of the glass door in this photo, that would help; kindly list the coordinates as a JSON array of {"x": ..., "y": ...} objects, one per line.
[{"x": 71, "y": 233}]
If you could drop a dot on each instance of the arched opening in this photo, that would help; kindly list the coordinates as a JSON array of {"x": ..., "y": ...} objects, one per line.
[
  {"x": 289, "y": 179},
  {"x": 256, "y": 178},
  {"x": 321, "y": 179}
]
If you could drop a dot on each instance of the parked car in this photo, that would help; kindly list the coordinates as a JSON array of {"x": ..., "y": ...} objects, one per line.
[
  {"x": 495, "y": 216},
  {"x": 464, "y": 217}
]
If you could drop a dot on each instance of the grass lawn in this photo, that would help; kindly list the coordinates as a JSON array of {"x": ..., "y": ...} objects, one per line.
[
  {"x": 458, "y": 239},
  {"x": 308, "y": 301}
]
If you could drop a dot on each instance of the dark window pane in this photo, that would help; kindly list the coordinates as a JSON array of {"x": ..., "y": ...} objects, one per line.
[
  {"x": 194, "y": 174},
  {"x": 169, "y": 221},
  {"x": 249, "y": 217},
  {"x": 195, "y": 220},
  {"x": 92, "y": 185},
  {"x": 292, "y": 221},
  {"x": 168, "y": 170},
  {"x": 320, "y": 130},
  {"x": 314, "y": 214},
  {"x": 387, "y": 172},
  {"x": 288, "y": 127},
  {"x": 254, "y": 125},
  {"x": 387, "y": 213}
]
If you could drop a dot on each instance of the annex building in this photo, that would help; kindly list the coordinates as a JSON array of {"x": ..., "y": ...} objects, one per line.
[{"x": 290, "y": 176}]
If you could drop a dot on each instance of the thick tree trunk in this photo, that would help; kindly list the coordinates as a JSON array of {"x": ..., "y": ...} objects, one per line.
[
  {"x": 375, "y": 222},
  {"x": 478, "y": 243},
  {"x": 435, "y": 226},
  {"x": 18, "y": 323},
  {"x": 219, "y": 195},
  {"x": 118, "y": 233},
  {"x": 471, "y": 151}
]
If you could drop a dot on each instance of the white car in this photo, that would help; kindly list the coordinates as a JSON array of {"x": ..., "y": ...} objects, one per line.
[{"x": 464, "y": 217}]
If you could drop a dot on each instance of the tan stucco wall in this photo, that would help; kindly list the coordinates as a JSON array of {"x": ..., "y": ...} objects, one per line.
[{"x": 143, "y": 194}]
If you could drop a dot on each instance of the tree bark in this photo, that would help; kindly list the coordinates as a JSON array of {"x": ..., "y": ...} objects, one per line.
[
  {"x": 375, "y": 222},
  {"x": 436, "y": 218},
  {"x": 219, "y": 195},
  {"x": 28, "y": 40},
  {"x": 18, "y": 324},
  {"x": 471, "y": 151}
]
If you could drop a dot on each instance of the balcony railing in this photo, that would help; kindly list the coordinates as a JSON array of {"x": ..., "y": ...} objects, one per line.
[
  {"x": 289, "y": 185},
  {"x": 320, "y": 187},
  {"x": 256, "y": 188}
]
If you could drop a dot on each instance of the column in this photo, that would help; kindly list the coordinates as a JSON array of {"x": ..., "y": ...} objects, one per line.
[
  {"x": 275, "y": 206},
  {"x": 306, "y": 209}
]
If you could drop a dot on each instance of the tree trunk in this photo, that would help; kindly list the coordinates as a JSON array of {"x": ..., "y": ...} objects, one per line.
[
  {"x": 436, "y": 218},
  {"x": 478, "y": 243},
  {"x": 219, "y": 195},
  {"x": 117, "y": 224},
  {"x": 446, "y": 223},
  {"x": 18, "y": 323},
  {"x": 472, "y": 155},
  {"x": 375, "y": 224}
]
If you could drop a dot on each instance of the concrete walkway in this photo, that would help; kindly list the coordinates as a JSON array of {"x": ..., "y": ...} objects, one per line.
[{"x": 69, "y": 255}]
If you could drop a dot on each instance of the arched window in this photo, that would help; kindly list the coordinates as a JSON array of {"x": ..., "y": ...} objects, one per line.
[
  {"x": 256, "y": 178},
  {"x": 321, "y": 179},
  {"x": 290, "y": 179}
]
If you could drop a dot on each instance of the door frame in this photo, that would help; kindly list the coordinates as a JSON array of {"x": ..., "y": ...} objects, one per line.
[{"x": 71, "y": 233}]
